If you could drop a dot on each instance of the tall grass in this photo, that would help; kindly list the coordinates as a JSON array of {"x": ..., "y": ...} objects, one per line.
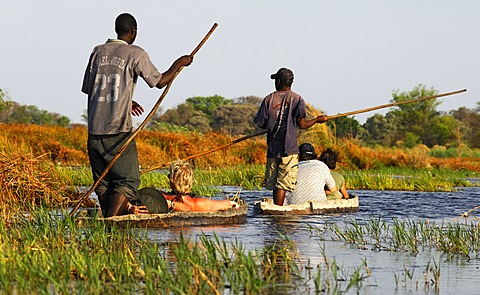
[
  {"x": 451, "y": 238},
  {"x": 59, "y": 144},
  {"x": 415, "y": 180},
  {"x": 67, "y": 147},
  {"x": 29, "y": 181},
  {"x": 54, "y": 254},
  {"x": 37, "y": 160}
]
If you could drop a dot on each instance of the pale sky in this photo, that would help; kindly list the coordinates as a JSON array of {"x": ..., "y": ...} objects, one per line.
[{"x": 346, "y": 55}]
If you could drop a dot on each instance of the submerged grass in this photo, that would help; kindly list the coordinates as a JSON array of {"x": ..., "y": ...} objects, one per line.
[{"x": 450, "y": 238}]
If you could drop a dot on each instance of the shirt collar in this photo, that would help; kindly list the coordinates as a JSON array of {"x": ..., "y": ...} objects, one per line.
[{"x": 117, "y": 41}]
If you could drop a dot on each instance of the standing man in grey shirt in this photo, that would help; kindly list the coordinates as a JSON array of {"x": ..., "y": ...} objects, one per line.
[
  {"x": 282, "y": 112},
  {"x": 110, "y": 78}
]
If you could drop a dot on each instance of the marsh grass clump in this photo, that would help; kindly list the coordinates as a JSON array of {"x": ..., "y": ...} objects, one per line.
[
  {"x": 252, "y": 176},
  {"x": 59, "y": 144},
  {"x": 431, "y": 278},
  {"x": 45, "y": 253},
  {"x": 76, "y": 176},
  {"x": 416, "y": 180},
  {"x": 28, "y": 182},
  {"x": 451, "y": 238}
]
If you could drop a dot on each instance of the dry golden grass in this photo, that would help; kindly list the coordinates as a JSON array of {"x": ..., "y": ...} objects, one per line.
[
  {"x": 28, "y": 181},
  {"x": 470, "y": 164},
  {"x": 157, "y": 149},
  {"x": 29, "y": 154},
  {"x": 67, "y": 146},
  {"x": 317, "y": 135},
  {"x": 61, "y": 145}
]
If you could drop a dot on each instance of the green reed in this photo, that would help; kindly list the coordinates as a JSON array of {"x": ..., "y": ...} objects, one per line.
[
  {"x": 45, "y": 253},
  {"x": 251, "y": 177},
  {"x": 451, "y": 238},
  {"x": 79, "y": 176},
  {"x": 332, "y": 278},
  {"x": 431, "y": 278},
  {"x": 245, "y": 176},
  {"x": 48, "y": 253},
  {"x": 432, "y": 275},
  {"x": 406, "y": 179}
]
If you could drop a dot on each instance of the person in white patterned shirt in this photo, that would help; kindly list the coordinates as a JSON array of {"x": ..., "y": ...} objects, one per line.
[{"x": 313, "y": 177}]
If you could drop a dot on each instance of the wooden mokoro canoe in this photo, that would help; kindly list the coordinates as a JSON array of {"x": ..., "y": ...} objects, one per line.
[
  {"x": 266, "y": 207},
  {"x": 176, "y": 219}
]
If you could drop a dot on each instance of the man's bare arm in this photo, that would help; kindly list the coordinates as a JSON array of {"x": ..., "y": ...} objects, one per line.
[
  {"x": 167, "y": 76},
  {"x": 304, "y": 123}
]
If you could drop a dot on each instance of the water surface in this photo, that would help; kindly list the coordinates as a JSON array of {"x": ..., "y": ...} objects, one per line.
[{"x": 388, "y": 268}]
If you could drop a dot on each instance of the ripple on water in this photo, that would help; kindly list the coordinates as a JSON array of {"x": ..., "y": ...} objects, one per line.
[{"x": 457, "y": 276}]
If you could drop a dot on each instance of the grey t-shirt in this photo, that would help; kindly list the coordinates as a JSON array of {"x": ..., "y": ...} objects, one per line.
[
  {"x": 110, "y": 78},
  {"x": 279, "y": 113}
]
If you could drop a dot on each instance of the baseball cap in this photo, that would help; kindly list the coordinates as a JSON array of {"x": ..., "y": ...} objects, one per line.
[
  {"x": 283, "y": 74},
  {"x": 307, "y": 148}
]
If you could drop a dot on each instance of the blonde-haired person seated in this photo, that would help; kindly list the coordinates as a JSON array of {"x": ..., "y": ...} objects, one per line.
[
  {"x": 153, "y": 201},
  {"x": 181, "y": 199}
]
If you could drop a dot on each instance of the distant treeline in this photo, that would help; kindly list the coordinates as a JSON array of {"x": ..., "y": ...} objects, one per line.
[
  {"x": 15, "y": 113},
  {"x": 406, "y": 125}
]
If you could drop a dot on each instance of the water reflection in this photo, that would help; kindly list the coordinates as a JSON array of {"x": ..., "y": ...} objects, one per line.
[{"x": 388, "y": 269}]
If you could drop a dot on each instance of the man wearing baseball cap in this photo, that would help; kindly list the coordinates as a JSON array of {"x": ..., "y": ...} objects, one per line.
[{"x": 282, "y": 112}]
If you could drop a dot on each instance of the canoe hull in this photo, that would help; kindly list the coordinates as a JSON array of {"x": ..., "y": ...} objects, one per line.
[
  {"x": 178, "y": 219},
  {"x": 266, "y": 207}
]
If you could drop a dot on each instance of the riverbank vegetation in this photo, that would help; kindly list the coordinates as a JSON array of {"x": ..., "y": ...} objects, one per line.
[
  {"x": 450, "y": 238},
  {"x": 43, "y": 164},
  {"x": 47, "y": 253},
  {"x": 406, "y": 124}
]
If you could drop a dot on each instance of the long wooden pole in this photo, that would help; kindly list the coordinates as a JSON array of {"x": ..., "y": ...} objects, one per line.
[
  {"x": 140, "y": 127},
  {"x": 329, "y": 117},
  {"x": 207, "y": 152},
  {"x": 395, "y": 104}
]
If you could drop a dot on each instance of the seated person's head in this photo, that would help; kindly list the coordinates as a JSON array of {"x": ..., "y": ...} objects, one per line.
[
  {"x": 181, "y": 177},
  {"x": 307, "y": 152},
  {"x": 329, "y": 157}
]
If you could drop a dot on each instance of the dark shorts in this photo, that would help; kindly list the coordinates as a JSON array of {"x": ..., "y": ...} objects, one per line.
[{"x": 124, "y": 176}]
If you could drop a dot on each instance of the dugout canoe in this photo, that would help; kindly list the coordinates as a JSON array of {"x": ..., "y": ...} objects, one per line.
[
  {"x": 177, "y": 219},
  {"x": 266, "y": 207}
]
